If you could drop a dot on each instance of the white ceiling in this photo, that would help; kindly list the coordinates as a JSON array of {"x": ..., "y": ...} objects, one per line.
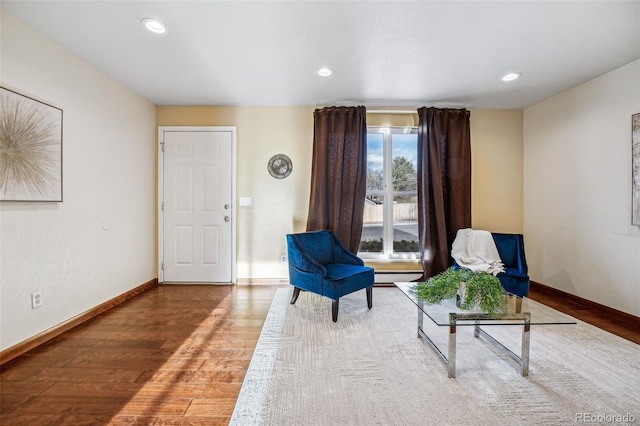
[{"x": 389, "y": 54}]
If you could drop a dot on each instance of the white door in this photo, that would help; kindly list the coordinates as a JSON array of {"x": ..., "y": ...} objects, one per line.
[{"x": 196, "y": 210}]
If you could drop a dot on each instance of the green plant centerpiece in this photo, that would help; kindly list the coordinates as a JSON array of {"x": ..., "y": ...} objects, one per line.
[{"x": 473, "y": 289}]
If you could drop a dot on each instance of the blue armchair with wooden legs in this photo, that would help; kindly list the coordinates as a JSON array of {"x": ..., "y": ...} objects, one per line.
[{"x": 319, "y": 263}]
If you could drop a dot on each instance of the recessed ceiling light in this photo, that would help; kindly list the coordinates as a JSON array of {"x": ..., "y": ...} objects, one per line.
[
  {"x": 154, "y": 25},
  {"x": 512, "y": 76},
  {"x": 325, "y": 72}
]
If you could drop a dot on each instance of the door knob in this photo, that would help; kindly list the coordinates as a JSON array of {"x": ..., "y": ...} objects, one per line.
[
  {"x": 227, "y": 218},
  {"x": 226, "y": 206}
]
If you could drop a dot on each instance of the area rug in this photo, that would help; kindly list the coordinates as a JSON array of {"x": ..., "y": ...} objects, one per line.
[{"x": 369, "y": 368}]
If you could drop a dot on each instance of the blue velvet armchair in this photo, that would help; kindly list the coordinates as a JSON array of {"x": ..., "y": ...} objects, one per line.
[
  {"x": 319, "y": 263},
  {"x": 515, "y": 278}
]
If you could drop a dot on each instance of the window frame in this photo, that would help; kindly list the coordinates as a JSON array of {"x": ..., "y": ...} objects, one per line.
[{"x": 389, "y": 194}]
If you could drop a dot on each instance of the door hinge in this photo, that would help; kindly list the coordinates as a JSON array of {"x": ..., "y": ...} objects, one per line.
[
  {"x": 162, "y": 206},
  {"x": 162, "y": 146},
  {"x": 162, "y": 266}
]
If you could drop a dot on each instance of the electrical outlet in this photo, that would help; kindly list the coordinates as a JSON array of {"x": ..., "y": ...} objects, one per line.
[
  {"x": 36, "y": 299},
  {"x": 283, "y": 259}
]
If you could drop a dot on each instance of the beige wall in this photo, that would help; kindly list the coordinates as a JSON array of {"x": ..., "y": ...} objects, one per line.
[
  {"x": 99, "y": 242},
  {"x": 281, "y": 206},
  {"x": 577, "y": 206},
  {"x": 497, "y": 170}
]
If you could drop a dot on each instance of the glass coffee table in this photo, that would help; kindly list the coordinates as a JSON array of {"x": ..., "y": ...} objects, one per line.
[{"x": 520, "y": 313}]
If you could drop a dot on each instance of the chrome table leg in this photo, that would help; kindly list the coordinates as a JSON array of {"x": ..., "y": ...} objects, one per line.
[
  {"x": 452, "y": 346},
  {"x": 526, "y": 338}
]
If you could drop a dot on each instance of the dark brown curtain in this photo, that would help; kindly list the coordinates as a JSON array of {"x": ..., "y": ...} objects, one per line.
[
  {"x": 338, "y": 174},
  {"x": 444, "y": 184}
]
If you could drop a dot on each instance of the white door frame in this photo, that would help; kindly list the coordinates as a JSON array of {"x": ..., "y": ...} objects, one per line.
[{"x": 161, "y": 130}]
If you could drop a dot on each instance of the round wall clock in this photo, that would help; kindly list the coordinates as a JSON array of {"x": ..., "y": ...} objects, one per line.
[{"x": 280, "y": 166}]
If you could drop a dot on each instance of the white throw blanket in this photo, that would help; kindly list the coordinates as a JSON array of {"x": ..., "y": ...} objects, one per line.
[{"x": 476, "y": 250}]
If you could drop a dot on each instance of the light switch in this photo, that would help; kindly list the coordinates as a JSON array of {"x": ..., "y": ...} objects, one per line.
[{"x": 244, "y": 201}]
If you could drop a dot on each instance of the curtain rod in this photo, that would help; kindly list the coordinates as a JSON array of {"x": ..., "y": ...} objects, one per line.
[{"x": 392, "y": 111}]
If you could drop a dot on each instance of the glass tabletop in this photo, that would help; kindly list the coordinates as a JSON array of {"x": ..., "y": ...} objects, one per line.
[{"x": 519, "y": 310}]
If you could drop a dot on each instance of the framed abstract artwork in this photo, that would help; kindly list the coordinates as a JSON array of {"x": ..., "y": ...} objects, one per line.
[
  {"x": 635, "y": 168},
  {"x": 30, "y": 149}
]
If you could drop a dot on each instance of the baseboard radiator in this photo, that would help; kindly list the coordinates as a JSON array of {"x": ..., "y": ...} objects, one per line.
[{"x": 389, "y": 277}]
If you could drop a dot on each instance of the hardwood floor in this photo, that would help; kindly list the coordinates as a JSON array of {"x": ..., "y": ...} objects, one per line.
[
  {"x": 615, "y": 322},
  {"x": 172, "y": 355}
]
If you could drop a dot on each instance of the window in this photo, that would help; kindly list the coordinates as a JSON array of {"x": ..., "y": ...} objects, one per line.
[{"x": 390, "y": 228}]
